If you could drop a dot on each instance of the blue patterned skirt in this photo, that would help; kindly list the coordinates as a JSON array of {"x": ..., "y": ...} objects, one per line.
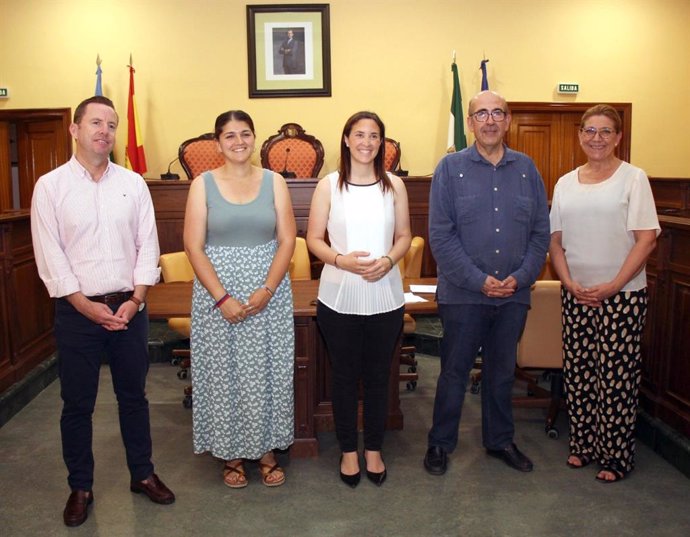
[{"x": 242, "y": 373}]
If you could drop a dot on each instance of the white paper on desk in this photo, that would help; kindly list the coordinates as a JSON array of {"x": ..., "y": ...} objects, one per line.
[
  {"x": 411, "y": 297},
  {"x": 423, "y": 289}
]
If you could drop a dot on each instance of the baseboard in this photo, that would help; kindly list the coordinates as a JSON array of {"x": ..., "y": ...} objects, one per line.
[
  {"x": 23, "y": 392},
  {"x": 664, "y": 440}
]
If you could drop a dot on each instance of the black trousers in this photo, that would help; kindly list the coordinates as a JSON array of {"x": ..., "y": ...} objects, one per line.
[
  {"x": 81, "y": 346},
  {"x": 360, "y": 348}
]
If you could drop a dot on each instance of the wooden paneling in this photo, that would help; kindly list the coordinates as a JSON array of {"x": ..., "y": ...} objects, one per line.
[
  {"x": 671, "y": 194},
  {"x": 665, "y": 389},
  {"x": 5, "y": 167},
  {"x": 26, "y": 314}
]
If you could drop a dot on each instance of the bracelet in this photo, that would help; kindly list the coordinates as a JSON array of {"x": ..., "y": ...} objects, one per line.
[
  {"x": 389, "y": 259},
  {"x": 220, "y": 302},
  {"x": 135, "y": 300},
  {"x": 270, "y": 291},
  {"x": 335, "y": 261}
]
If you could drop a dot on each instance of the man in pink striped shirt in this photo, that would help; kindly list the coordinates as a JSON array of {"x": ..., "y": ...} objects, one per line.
[{"x": 96, "y": 247}]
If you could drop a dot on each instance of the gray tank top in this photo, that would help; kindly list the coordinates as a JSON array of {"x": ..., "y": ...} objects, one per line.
[{"x": 247, "y": 224}]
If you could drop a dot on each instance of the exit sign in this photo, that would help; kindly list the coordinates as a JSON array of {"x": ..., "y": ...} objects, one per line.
[
  {"x": 4, "y": 93},
  {"x": 568, "y": 88}
]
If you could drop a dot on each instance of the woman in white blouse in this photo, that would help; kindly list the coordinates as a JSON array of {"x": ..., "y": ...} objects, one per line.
[
  {"x": 364, "y": 211},
  {"x": 603, "y": 228}
]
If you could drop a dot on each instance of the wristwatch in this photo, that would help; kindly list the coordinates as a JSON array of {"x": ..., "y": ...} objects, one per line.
[{"x": 140, "y": 304}]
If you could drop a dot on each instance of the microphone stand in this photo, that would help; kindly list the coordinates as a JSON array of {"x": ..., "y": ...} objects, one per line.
[
  {"x": 170, "y": 176},
  {"x": 285, "y": 173}
]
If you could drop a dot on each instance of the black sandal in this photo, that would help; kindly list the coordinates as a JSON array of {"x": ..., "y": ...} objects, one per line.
[
  {"x": 582, "y": 457},
  {"x": 618, "y": 474}
]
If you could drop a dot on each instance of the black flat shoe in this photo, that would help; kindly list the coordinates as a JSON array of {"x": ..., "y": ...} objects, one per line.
[
  {"x": 351, "y": 480},
  {"x": 377, "y": 478}
]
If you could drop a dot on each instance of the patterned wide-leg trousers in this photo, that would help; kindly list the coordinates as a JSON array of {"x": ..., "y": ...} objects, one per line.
[{"x": 601, "y": 373}]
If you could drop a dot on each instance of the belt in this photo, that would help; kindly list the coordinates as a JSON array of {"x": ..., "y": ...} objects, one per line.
[{"x": 112, "y": 298}]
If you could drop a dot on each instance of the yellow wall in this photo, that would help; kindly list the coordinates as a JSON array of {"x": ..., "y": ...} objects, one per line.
[{"x": 390, "y": 56}]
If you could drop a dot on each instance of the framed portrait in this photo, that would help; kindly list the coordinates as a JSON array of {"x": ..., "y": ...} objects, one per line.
[{"x": 289, "y": 50}]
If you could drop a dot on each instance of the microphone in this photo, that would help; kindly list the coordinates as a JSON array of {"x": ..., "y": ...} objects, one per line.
[
  {"x": 285, "y": 173},
  {"x": 170, "y": 176}
]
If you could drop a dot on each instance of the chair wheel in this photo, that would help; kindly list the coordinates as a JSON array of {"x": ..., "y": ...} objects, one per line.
[
  {"x": 552, "y": 433},
  {"x": 411, "y": 386},
  {"x": 412, "y": 369},
  {"x": 187, "y": 401},
  {"x": 475, "y": 388},
  {"x": 175, "y": 361},
  {"x": 182, "y": 374}
]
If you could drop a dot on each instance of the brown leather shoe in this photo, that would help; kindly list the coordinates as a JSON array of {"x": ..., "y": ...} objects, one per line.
[
  {"x": 76, "y": 509},
  {"x": 154, "y": 488}
]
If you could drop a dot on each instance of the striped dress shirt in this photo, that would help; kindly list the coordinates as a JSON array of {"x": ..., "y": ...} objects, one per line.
[{"x": 97, "y": 237}]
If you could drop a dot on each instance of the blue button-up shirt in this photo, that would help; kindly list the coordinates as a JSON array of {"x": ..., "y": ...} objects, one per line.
[{"x": 487, "y": 220}]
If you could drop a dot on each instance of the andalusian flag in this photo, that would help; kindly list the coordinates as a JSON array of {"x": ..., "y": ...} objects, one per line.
[
  {"x": 456, "y": 130},
  {"x": 135, "y": 159},
  {"x": 485, "y": 81}
]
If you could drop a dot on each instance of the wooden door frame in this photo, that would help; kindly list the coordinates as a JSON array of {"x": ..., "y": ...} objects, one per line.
[{"x": 624, "y": 109}]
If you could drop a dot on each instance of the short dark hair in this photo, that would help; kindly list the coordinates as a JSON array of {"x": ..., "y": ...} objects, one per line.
[
  {"x": 96, "y": 99},
  {"x": 603, "y": 110},
  {"x": 232, "y": 115},
  {"x": 345, "y": 166}
]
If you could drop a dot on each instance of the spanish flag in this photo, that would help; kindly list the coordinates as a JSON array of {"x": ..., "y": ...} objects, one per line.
[{"x": 135, "y": 159}]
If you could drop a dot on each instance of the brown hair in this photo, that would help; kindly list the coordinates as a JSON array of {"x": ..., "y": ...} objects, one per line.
[
  {"x": 96, "y": 99},
  {"x": 345, "y": 165},
  {"x": 603, "y": 110},
  {"x": 232, "y": 115}
]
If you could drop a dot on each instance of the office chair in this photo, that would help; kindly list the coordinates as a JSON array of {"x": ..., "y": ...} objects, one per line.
[
  {"x": 293, "y": 153},
  {"x": 200, "y": 154},
  {"x": 392, "y": 155},
  {"x": 541, "y": 348},
  {"x": 410, "y": 267},
  {"x": 175, "y": 267},
  {"x": 300, "y": 264}
]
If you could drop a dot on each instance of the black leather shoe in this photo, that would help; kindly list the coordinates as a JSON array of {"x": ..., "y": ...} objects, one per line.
[
  {"x": 77, "y": 507},
  {"x": 436, "y": 460},
  {"x": 512, "y": 457},
  {"x": 154, "y": 488},
  {"x": 351, "y": 480}
]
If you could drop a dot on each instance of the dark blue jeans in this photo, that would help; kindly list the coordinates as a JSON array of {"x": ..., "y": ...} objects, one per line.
[
  {"x": 466, "y": 329},
  {"x": 81, "y": 346},
  {"x": 360, "y": 347}
]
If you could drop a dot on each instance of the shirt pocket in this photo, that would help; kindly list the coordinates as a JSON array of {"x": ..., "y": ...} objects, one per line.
[
  {"x": 466, "y": 209},
  {"x": 523, "y": 209}
]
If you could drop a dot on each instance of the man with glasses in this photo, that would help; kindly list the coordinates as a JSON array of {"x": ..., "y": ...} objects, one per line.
[{"x": 489, "y": 234}]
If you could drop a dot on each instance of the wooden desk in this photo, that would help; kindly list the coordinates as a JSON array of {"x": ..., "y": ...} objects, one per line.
[{"x": 313, "y": 409}]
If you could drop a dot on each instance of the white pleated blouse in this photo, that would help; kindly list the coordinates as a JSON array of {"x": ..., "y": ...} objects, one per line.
[{"x": 362, "y": 218}]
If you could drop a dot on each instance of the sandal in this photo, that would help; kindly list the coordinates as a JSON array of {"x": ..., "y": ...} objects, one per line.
[
  {"x": 234, "y": 476},
  {"x": 617, "y": 473},
  {"x": 267, "y": 470},
  {"x": 583, "y": 459}
]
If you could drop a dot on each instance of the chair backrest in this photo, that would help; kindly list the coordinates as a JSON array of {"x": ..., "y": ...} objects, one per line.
[
  {"x": 541, "y": 344},
  {"x": 300, "y": 264},
  {"x": 200, "y": 154},
  {"x": 411, "y": 264},
  {"x": 292, "y": 150},
  {"x": 176, "y": 267},
  {"x": 392, "y": 155},
  {"x": 547, "y": 271}
]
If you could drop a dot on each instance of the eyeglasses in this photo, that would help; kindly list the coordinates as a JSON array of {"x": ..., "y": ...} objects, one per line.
[
  {"x": 483, "y": 115},
  {"x": 591, "y": 132}
]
